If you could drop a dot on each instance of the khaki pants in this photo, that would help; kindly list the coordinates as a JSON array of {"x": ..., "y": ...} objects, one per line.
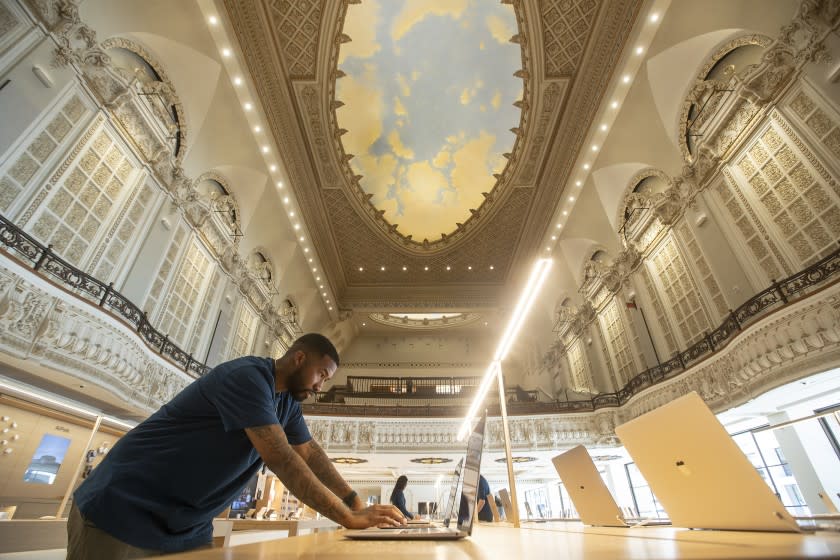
[{"x": 87, "y": 542}]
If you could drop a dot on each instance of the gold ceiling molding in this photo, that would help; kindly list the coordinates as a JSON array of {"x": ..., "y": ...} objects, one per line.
[
  {"x": 568, "y": 24},
  {"x": 296, "y": 24},
  {"x": 394, "y": 320}
]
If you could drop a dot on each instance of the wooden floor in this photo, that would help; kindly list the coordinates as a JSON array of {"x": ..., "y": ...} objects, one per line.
[{"x": 544, "y": 542}]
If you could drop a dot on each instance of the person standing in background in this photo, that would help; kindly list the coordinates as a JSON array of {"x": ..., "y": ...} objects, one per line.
[{"x": 398, "y": 496}]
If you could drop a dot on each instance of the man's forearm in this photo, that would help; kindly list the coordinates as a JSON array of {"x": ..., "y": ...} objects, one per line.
[
  {"x": 323, "y": 468},
  {"x": 298, "y": 477}
]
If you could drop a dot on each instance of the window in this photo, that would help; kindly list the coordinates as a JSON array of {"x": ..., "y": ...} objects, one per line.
[
  {"x": 764, "y": 452},
  {"x": 47, "y": 459},
  {"x": 644, "y": 502}
]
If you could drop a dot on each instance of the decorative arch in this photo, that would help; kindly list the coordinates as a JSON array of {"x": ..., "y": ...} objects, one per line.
[
  {"x": 162, "y": 86},
  {"x": 624, "y": 213},
  {"x": 222, "y": 200},
  {"x": 598, "y": 255},
  {"x": 262, "y": 266},
  {"x": 705, "y": 93}
]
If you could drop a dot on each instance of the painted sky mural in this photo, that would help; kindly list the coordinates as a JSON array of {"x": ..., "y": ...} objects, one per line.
[{"x": 428, "y": 105}]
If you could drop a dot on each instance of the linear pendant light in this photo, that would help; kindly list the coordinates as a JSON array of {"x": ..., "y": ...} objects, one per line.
[{"x": 526, "y": 300}]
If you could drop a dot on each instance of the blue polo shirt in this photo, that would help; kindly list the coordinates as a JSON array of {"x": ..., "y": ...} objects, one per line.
[{"x": 164, "y": 481}]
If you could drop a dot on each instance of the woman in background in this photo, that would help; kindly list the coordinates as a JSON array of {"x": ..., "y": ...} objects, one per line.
[{"x": 398, "y": 497}]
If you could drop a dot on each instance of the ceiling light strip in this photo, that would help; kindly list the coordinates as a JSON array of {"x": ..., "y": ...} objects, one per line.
[
  {"x": 18, "y": 391},
  {"x": 526, "y": 300}
]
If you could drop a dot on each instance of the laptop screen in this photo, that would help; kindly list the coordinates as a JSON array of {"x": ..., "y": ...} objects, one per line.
[
  {"x": 472, "y": 465},
  {"x": 449, "y": 512}
]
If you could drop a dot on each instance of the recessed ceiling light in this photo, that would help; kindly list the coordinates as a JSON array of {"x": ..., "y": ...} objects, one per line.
[
  {"x": 594, "y": 147},
  {"x": 314, "y": 270},
  {"x": 565, "y": 212},
  {"x": 614, "y": 104},
  {"x": 548, "y": 248},
  {"x": 265, "y": 149},
  {"x": 469, "y": 268},
  {"x": 318, "y": 278},
  {"x": 273, "y": 168},
  {"x": 237, "y": 81},
  {"x": 554, "y": 238},
  {"x": 425, "y": 268},
  {"x": 485, "y": 323},
  {"x": 559, "y": 226},
  {"x": 213, "y": 20},
  {"x": 604, "y": 127},
  {"x": 654, "y": 17},
  {"x": 578, "y": 183},
  {"x": 292, "y": 214},
  {"x": 324, "y": 294},
  {"x": 640, "y": 50},
  {"x": 226, "y": 52},
  {"x": 306, "y": 249},
  {"x": 330, "y": 308},
  {"x": 448, "y": 267},
  {"x": 405, "y": 268},
  {"x": 586, "y": 166},
  {"x": 364, "y": 324},
  {"x": 382, "y": 268},
  {"x": 626, "y": 78},
  {"x": 257, "y": 128},
  {"x": 285, "y": 200},
  {"x": 310, "y": 259},
  {"x": 492, "y": 267},
  {"x": 328, "y": 302},
  {"x": 572, "y": 199},
  {"x": 297, "y": 226},
  {"x": 279, "y": 184},
  {"x": 248, "y": 106},
  {"x": 361, "y": 269},
  {"x": 321, "y": 286},
  {"x": 301, "y": 238}
]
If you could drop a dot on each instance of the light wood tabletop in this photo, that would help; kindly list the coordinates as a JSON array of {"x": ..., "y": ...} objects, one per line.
[{"x": 493, "y": 541}]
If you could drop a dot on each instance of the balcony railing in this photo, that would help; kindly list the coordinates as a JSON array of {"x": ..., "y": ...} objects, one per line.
[
  {"x": 388, "y": 396},
  {"x": 22, "y": 246}
]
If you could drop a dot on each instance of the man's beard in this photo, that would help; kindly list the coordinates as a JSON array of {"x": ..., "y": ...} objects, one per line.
[{"x": 296, "y": 387}]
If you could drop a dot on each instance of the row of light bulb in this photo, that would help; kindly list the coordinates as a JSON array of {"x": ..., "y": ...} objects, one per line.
[
  {"x": 595, "y": 147},
  {"x": 248, "y": 107}
]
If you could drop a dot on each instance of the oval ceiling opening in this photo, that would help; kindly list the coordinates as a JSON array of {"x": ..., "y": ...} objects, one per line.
[{"x": 428, "y": 106}]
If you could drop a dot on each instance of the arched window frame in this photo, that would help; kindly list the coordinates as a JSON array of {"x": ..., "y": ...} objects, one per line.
[
  {"x": 165, "y": 90},
  {"x": 711, "y": 91}
]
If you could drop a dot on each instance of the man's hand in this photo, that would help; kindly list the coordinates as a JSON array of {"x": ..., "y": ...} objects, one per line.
[{"x": 374, "y": 515}]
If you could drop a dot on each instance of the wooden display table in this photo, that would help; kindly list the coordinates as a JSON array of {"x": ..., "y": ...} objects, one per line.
[{"x": 560, "y": 540}]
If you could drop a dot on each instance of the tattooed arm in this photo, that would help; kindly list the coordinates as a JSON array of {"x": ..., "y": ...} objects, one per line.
[
  {"x": 271, "y": 443},
  {"x": 323, "y": 468}
]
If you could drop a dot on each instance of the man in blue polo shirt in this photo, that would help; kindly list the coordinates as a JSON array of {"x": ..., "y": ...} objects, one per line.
[{"x": 159, "y": 488}]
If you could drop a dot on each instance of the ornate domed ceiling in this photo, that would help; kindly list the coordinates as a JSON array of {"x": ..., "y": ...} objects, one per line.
[
  {"x": 393, "y": 121},
  {"x": 428, "y": 119}
]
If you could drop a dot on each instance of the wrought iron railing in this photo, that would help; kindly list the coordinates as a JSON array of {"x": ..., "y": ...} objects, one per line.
[{"x": 19, "y": 245}]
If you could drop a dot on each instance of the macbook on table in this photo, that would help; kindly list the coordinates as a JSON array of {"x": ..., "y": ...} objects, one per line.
[
  {"x": 464, "y": 505},
  {"x": 697, "y": 471}
]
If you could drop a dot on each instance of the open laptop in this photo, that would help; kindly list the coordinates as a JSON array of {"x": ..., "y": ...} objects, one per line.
[
  {"x": 591, "y": 497},
  {"x": 450, "y": 506},
  {"x": 699, "y": 474},
  {"x": 464, "y": 505}
]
